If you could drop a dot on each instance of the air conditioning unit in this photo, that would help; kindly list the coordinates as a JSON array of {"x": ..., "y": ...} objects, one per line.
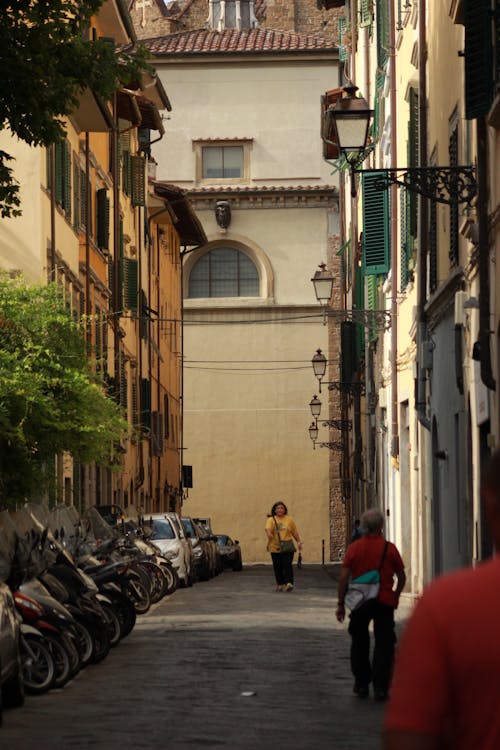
[{"x": 460, "y": 298}]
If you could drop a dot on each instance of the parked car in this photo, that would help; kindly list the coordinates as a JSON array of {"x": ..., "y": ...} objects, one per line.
[
  {"x": 11, "y": 682},
  {"x": 211, "y": 541},
  {"x": 169, "y": 536},
  {"x": 230, "y": 552},
  {"x": 201, "y": 553}
]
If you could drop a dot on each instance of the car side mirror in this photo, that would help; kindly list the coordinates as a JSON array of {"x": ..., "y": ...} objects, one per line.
[{"x": 236, "y": 541}]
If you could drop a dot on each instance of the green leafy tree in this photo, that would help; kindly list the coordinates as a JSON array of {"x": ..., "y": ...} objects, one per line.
[
  {"x": 46, "y": 62},
  {"x": 50, "y": 401}
]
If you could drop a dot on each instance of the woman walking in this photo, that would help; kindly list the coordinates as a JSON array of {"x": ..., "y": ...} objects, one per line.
[{"x": 281, "y": 530}]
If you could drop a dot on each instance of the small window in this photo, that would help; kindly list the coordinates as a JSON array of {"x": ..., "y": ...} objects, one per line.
[
  {"x": 222, "y": 162},
  {"x": 224, "y": 272}
]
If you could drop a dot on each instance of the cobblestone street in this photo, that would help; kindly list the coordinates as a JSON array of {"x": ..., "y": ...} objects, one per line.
[{"x": 227, "y": 663}]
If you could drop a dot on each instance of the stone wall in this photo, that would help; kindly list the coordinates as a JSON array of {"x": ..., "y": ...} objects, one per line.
[{"x": 301, "y": 16}]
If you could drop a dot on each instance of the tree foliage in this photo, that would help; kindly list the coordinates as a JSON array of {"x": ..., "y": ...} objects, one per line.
[
  {"x": 50, "y": 401},
  {"x": 46, "y": 61}
]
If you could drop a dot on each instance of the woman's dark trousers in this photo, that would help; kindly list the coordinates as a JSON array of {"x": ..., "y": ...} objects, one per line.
[
  {"x": 379, "y": 669},
  {"x": 283, "y": 568}
]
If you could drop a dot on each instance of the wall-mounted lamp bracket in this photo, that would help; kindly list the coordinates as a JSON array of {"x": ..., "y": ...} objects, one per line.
[{"x": 449, "y": 185}]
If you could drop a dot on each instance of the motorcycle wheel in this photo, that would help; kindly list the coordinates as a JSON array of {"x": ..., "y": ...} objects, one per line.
[
  {"x": 125, "y": 612},
  {"x": 61, "y": 660},
  {"x": 38, "y": 667},
  {"x": 171, "y": 578},
  {"x": 101, "y": 642},
  {"x": 138, "y": 594},
  {"x": 112, "y": 624},
  {"x": 84, "y": 643}
]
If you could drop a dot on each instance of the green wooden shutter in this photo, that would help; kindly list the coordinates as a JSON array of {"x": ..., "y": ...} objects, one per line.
[
  {"x": 102, "y": 219},
  {"x": 76, "y": 195},
  {"x": 131, "y": 278},
  {"x": 413, "y": 149},
  {"x": 405, "y": 237},
  {"x": 66, "y": 186},
  {"x": 83, "y": 199},
  {"x": 138, "y": 180},
  {"x": 478, "y": 18},
  {"x": 376, "y": 244},
  {"x": 371, "y": 295},
  {"x": 382, "y": 32},
  {"x": 365, "y": 12}
]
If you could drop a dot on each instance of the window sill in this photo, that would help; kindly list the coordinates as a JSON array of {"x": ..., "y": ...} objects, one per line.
[{"x": 221, "y": 302}]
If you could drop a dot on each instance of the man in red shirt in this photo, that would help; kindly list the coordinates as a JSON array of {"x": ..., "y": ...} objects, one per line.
[
  {"x": 372, "y": 552},
  {"x": 446, "y": 687}
]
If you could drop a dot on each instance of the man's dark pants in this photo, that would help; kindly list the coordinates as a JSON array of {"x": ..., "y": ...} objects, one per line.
[
  {"x": 283, "y": 568},
  {"x": 379, "y": 669}
]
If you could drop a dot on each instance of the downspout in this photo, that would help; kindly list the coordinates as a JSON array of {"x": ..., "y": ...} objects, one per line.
[
  {"x": 484, "y": 253},
  {"x": 52, "y": 250},
  {"x": 394, "y": 238},
  {"x": 423, "y": 230},
  {"x": 88, "y": 306}
]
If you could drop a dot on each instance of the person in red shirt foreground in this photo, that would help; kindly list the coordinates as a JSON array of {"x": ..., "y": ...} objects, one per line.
[
  {"x": 446, "y": 688},
  {"x": 364, "y": 555}
]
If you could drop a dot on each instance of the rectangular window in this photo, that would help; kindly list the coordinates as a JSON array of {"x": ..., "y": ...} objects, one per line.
[{"x": 222, "y": 162}]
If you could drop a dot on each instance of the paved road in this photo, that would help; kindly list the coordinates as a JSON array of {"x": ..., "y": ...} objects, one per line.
[{"x": 228, "y": 663}]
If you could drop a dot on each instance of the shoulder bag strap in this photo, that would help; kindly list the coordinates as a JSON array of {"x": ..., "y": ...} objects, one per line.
[
  {"x": 277, "y": 529},
  {"x": 383, "y": 556}
]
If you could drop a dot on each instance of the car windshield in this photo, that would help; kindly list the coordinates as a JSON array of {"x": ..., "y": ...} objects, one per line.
[
  {"x": 189, "y": 528},
  {"x": 223, "y": 540},
  {"x": 162, "y": 529}
]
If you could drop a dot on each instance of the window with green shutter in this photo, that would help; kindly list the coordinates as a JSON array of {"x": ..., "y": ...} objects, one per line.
[
  {"x": 372, "y": 302},
  {"x": 62, "y": 151},
  {"x": 365, "y": 12},
  {"x": 406, "y": 240},
  {"x": 383, "y": 36},
  {"x": 479, "y": 58},
  {"x": 413, "y": 160},
  {"x": 376, "y": 239},
  {"x": 138, "y": 180},
  {"x": 130, "y": 282},
  {"x": 102, "y": 207}
]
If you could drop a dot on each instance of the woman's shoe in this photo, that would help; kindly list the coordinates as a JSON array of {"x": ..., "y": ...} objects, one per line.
[
  {"x": 279, "y": 588},
  {"x": 288, "y": 587}
]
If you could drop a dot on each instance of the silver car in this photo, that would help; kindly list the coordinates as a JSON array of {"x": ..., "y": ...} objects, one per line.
[
  {"x": 12, "y": 690},
  {"x": 169, "y": 536}
]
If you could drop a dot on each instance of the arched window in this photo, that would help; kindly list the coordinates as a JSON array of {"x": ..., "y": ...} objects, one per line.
[{"x": 224, "y": 272}]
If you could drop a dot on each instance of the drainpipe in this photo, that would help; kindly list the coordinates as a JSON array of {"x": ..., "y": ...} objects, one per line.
[
  {"x": 52, "y": 251},
  {"x": 394, "y": 238},
  {"x": 423, "y": 230},
  {"x": 88, "y": 306},
  {"x": 484, "y": 254}
]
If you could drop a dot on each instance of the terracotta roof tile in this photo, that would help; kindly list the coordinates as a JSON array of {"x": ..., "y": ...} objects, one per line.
[{"x": 204, "y": 41}]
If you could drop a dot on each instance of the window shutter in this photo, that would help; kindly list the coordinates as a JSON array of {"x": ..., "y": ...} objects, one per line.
[
  {"x": 126, "y": 173},
  {"x": 413, "y": 147},
  {"x": 348, "y": 351},
  {"x": 130, "y": 274},
  {"x": 478, "y": 19},
  {"x": 375, "y": 225},
  {"x": 371, "y": 295},
  {"x": 76, "y": 195},
  {"x": 83, "y": 199},
  {"x": 135, "y": 411},
  {"x": 166, "y": 421},
  {"x": 365, "y": 11},
  {"x": 59, "y": 146},
  {"x": 123, "y": 385},
  {"x": 145, "y": 404},
  {"x": 433, "y": 247},
  {"x": 382, "y": 32},
  {"x": 66, "y": 187},
  {"x": 330, "y": 150},
  {"x": 144, "y": 316},
  {"x": 157, "y": 433},
  {"x": 102, "y": 219},
  {"x": 138, "y": 177},
  {"x": 405, "y": 237},
  {"x": 98, "y": 338}
]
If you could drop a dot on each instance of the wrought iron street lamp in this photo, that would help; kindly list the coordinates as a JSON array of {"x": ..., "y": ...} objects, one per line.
[
  {"x": 315, "y": 405},
  {"x": 349, "y": 118},
  {"x": 323, "y": 286}
]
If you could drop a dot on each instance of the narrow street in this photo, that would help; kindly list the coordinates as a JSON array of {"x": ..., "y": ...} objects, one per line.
[{"x": 227, "y": 663}]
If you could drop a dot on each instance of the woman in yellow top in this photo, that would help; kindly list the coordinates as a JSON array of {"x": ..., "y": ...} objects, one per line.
[{"x": 280, "y": 530}]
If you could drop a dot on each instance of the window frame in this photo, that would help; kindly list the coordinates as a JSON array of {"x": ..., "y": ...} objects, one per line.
[
  {"x": 244, "y": 143},
  {"x": 239, "y": 252}
]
